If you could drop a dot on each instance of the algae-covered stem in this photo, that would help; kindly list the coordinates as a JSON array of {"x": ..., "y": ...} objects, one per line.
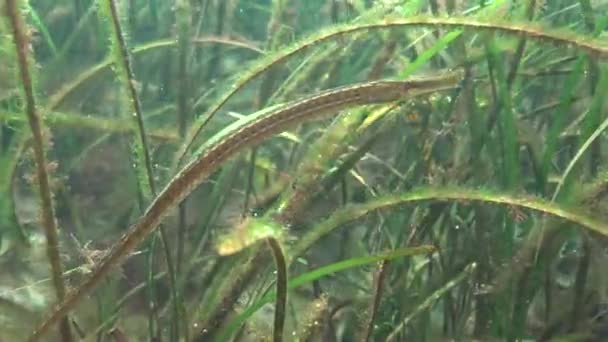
[
  {"x": 236, "y": 137},
  {"x": 21, "y": 40},
  {"x": 281, "y": 289}
]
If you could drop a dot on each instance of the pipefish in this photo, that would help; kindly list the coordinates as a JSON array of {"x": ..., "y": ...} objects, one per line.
[{"x": 240, "y": 135}]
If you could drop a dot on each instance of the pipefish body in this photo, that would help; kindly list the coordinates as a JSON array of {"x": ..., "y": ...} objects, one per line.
[{"x": 240, "y": 135}]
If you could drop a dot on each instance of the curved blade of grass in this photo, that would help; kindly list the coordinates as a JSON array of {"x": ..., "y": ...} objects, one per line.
[
  {"x": 459, "y": 194},
  {"x": 528, "y": 30},
  {"x": 319, "y": 273},
  {"x": 57, "y": 98}
]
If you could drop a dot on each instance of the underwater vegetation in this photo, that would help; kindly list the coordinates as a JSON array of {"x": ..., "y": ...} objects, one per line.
[{"x": 319, "y": 170}]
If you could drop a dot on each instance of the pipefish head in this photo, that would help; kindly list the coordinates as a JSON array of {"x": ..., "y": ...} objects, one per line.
[{"x": 416, "y": 86}]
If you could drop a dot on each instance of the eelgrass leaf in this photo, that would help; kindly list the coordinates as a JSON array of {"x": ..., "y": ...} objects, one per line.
[
  {"x": 559, "y": 123},
  {"x": 527, "y": 29},
  {"x": 451, "y": 194},
  {"x": 55, "y": 100},
  {"x": 429, "y": 53},
  {"x": 508, "y": 134},
  {"x": 39, "y": 24}
]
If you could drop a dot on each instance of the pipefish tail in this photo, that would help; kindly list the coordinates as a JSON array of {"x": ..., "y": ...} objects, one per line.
[{"x": 242, "y": 134}]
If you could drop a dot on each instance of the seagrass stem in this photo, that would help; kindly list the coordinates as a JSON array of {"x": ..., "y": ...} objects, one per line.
[
  {"x": 281, "y": 302},
  {"x": 148, "y": 187},
  {"x": 21, "y": 40}
]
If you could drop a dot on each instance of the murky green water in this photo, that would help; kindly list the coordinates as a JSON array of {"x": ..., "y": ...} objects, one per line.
[{"x": 289, "y": 170}]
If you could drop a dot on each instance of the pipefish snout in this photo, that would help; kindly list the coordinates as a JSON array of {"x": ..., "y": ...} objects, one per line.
[{"x": 236, "y": 137}]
